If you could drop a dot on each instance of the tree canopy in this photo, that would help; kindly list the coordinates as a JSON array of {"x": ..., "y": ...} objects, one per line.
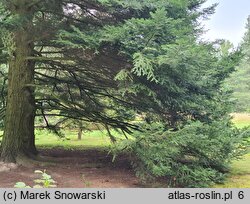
[{"x": 106, "y": 61}]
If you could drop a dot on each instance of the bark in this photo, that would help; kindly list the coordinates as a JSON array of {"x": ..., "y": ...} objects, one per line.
[
  {"x": 80, "y": 133},
  {"x": 18, "y": 138}
]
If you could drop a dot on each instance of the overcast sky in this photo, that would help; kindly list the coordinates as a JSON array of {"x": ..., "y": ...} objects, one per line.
[{"x": 229, "y": 20}]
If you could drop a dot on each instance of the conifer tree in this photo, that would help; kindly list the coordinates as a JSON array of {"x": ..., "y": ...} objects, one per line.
[
  {"x": 98, "y": 60},
  {"x": 239, "y": 81}
]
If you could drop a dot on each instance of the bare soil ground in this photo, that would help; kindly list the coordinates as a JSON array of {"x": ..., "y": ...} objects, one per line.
[{"x": 76, "y": 169}]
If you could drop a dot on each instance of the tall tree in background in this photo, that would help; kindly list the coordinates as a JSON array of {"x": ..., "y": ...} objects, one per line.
[
  {"x": 239, "y": 81},
  {"x": 98, "y": 60}
]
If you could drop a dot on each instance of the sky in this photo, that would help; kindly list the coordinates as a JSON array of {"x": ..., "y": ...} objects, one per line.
[{"x": 229, "y": 20}]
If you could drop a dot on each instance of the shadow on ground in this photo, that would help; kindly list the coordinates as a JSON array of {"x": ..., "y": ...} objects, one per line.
[{"x": 76, "y": 169}]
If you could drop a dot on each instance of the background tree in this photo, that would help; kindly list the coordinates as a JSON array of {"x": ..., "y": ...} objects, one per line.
[{"x": 239, "y": 81}]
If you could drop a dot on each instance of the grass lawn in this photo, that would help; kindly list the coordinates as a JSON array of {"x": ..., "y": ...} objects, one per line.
[{"x": 90, "y": 140}]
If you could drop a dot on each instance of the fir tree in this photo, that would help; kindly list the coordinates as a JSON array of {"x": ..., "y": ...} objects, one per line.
[
  {"x": 239, "y": 81},
  {"x": 97, "y": 60}
]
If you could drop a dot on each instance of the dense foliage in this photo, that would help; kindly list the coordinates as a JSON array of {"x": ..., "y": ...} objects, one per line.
[
  {"x": 93, "y": 59},
  {"x": 198, "y": 155},
  {"x": 111, "y": 62}
]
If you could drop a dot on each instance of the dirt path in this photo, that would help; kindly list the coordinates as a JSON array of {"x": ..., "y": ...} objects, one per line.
[{"x": 77, "y": 169}]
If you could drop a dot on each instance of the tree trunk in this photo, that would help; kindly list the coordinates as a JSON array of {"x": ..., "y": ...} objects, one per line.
[
  {"x": 18, "y": 138},
  {"x": 80, "y": 133}
]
